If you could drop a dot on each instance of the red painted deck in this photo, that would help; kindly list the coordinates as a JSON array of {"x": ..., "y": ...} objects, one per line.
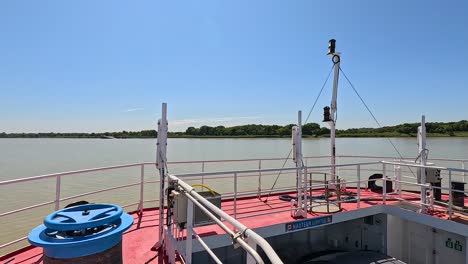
[{"x": 139, "y": 239}]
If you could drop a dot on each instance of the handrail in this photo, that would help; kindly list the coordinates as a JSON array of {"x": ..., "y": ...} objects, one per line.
[
  {"x": 260, "y": 241},
  {"x": 262, "y": 172},
  {"x": 423, "y": 166},
  {"x": 271, "y": 170},
  {"x": 200, "y": 161},
  {"x": 205, "y": 246},
  {"x": 235, "y": 238},
  {"x": 72, "y": 172}
]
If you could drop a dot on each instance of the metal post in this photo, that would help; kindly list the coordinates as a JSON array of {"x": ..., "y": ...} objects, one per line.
[
  {"x": 235, "y": 195},
  {"x": 57, "y": 192},
  {"x": 333, "y": 154},
  {"x": 422, "y": 153},
  {"x": 161, "y": 147},
  {"x": 203, "y": 175},
  {"x": 464, "y": 173},
  {"x": 359, "y": 186},
  {"x": 188, "y": 245},
  {"x": 450, "y": 194},
  {"x": 309, "y": 201},
  {"x": 142, "y": 184},
  {"x": 297, "y": 157},
  {"x": 398, "y": 175},
  {"x": 333, "y": 108},
  {"x": 384, "y": 185},
  {"x": 259, "y": 189},
  {"x": 304, "y": 191},
  {"x": 327, "y": 192}
]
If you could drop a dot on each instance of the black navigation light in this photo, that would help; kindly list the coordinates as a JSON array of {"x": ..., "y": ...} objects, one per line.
[
  {"x": 326, "y": 114},
  {"x": 331, "y": 46}
]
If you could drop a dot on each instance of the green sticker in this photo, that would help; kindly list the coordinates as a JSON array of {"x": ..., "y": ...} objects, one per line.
[
  {"x": 449, "y": 243},
  {"x": 458, "y": 246}
]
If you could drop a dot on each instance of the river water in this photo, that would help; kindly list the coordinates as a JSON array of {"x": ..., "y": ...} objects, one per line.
[{"x": 21, "y": 158}]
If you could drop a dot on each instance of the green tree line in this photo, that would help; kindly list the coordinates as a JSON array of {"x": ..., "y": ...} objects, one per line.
[
  {"x": 123, "y": 134},
  {"x": 459, "y": 128},
  {"x": 310, "y": 129}
]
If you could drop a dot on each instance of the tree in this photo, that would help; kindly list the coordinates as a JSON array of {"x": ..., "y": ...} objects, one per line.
[
  {"x": 324, "y": 131},
  {"x": 191, "y": 131},
  {"x": 310, "y": 129}
]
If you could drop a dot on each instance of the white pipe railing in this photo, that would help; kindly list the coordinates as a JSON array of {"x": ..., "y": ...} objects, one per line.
[
  {"x": 260, "y": 172},
  {"x": 205, "y": 246},
  {"x": 198, "y": 202},
  {"x": 205, "y": 205},
  {"x": 142, "y": 188}
]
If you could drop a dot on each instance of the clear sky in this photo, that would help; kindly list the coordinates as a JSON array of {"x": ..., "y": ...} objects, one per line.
[{"x": 107, "y": 65}]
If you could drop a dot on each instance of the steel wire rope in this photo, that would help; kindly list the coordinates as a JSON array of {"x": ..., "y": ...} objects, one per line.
[
  {"x": 290, "y": 151},
  {"x": 373, "y": 116}
]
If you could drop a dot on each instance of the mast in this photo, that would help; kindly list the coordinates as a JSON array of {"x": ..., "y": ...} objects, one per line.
[
  {"x": 301, "y": 204},
  {"x": 161, "y": 158},
  {"x": 329, "y": 114},
  {"x": 423, "y": 161}
]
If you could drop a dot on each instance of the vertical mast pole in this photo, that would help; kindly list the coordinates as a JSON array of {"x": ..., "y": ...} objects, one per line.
[
  {"x": 161, "y": 158},
  {"x": 333, "y": 106},
  {"x": 298, "y": 145},
  {"x": 333, "y": 113},
  {"x": 297, "y": 157},
  {"x": 423, "y": 153}
]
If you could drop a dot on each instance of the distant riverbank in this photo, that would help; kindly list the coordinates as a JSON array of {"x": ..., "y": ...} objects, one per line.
[
  {"x": 370, "y": 135},
  {"x": 434, "y": 129}
]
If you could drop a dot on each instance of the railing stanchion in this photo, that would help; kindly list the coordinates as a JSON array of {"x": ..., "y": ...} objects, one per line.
[
  {"x": 464, "y": 173},
  {"x": 358, "y": 170},
  {"x": 57, "y": 192},
  {"x": 188, "y": 246},
  {"x": 327, "y": 192},
  {"x": 384, "y": 185},
  {"x": 259, "y": 189},
  {"x": 203, "y": 175},
  {"x": 450, "y": 193},
  {"x": 398, "y": 178},
  {"x": 235, "y": 195},
  {"x": 142, "y": 183}
]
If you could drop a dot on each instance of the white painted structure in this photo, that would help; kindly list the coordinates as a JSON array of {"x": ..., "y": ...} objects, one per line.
[
  {"x": 423, "y": 160},
  {"x": 161, "y": 159},
  {"x": 299, "y": 205},
  {"x": 333, "y": 108}
]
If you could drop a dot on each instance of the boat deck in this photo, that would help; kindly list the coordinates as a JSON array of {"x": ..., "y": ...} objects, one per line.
[{"x": 251, "y": 211}]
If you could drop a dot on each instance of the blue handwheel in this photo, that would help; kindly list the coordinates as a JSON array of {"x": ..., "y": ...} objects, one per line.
[{"x": 83, "y": 216}]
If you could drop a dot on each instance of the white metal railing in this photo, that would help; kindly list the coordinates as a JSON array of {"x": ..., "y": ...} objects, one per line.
[
  {"x": 237, "y": 237},
  {"x": 236, "y": 173},
  {"x": 257, "y": 173}
]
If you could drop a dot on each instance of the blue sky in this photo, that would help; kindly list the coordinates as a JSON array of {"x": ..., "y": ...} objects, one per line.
[{"x": 107, "y": 65}]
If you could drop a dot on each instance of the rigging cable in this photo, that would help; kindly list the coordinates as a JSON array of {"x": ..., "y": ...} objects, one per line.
[
  {"x": 305, "y": 122},
  {"x": 370, "y": 112}
]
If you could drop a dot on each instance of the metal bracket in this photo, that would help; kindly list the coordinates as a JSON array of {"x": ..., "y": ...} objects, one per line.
[{"x": 234, "y": 237}]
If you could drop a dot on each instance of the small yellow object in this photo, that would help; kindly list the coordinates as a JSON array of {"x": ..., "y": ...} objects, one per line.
[{"x": 204, "y": 186}]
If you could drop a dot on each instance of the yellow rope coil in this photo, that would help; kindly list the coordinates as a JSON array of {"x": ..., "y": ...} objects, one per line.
[{"x": 204, "y": 186}]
